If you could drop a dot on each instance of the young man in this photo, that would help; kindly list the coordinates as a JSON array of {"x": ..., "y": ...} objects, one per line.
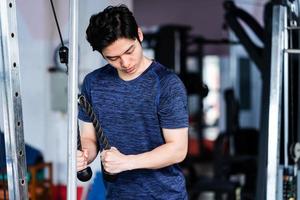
[{"x": 142, "y": 108}]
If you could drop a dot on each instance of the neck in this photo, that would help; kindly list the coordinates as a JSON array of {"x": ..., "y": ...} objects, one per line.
[{"x": 145, "y": 63}]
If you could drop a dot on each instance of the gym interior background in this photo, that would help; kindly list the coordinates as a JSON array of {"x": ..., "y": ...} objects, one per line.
[{"x": 223, "y": 51}]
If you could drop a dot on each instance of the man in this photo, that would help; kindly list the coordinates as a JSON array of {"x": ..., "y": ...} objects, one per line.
[{"x": 142, "y": 108}]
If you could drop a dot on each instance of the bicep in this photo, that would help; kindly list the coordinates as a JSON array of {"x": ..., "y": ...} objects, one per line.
[{"x": 177, "y": 136}]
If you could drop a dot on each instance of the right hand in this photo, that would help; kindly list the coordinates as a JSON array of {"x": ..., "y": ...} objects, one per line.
[{"x": 82, "y": 159}]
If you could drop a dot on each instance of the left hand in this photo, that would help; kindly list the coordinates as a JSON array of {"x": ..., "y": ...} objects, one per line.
[{"x": 114, "y": 161}]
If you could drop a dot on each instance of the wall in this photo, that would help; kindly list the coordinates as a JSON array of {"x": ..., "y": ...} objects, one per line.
[{"x": 205, "y": 17}]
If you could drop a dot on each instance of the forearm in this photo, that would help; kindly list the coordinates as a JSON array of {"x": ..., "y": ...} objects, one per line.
[
  {"x": 162, "y": 156},
  {"x": 173, "y": 151},
  {"x": 91, "y": 146}
]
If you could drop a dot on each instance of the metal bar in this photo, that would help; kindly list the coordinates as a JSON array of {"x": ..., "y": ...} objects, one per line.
[
  {"x": 12, "y": 104},
  {"x": 284, "y": 41},
  {"x": 72, "y": 99},
  {"x": 298, "y": 183},
  {"x": 292, "y": 51},
  {"x": 274, "y": 122},
  {"x": 293, "y": 27},
  {"x": 280, "y": 183}
]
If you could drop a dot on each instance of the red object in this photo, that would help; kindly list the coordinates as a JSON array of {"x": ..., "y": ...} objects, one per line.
[
  {"x": 60, "y": 192},
  {"x": 194, "y": 149}
]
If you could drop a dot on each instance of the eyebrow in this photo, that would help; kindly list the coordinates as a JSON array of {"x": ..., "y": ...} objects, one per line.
[{"x": 111, "y": 57}]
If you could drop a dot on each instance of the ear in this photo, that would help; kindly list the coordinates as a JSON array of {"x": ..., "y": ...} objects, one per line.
[{"x": 140, "y": 34}]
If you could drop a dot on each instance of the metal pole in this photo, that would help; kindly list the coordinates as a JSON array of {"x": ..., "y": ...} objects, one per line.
[
  {"x": 72, "y": 99},
  {"x": 298, "y": 183},
  {"x": 274, "y": 123},
  {"x": 12, "y": 103},
  {"x": 293, "y": 51},
  {"x": 285, "y": 61}
]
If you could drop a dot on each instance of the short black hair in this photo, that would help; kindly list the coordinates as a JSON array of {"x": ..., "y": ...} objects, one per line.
[{"x": 112, "y": 23}]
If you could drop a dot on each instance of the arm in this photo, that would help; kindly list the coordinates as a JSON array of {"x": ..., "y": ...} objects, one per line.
[
  {"x": 173, "y": 151},
  {"x": 88, "y": 144}
]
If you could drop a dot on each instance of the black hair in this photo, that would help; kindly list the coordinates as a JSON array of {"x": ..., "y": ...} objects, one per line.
[{"x": 112, "y": 23}]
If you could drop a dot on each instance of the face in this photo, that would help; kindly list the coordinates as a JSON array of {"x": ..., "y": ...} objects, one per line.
[{"x": 126, "y": 55}]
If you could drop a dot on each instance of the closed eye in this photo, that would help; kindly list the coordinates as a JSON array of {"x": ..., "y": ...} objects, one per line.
[
  {"x": 112, "y": 58},
  {"x": 129, "y": 51}
]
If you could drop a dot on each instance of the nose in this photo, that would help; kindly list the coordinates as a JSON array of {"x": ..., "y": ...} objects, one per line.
[{"x": 125, "y": 62}]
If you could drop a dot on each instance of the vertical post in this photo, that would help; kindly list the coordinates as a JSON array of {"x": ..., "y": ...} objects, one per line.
[
  {"x": 298, "y": 183},
  {"x": 286, "y": 110},
  {"x": 12, "y": 103},
  {"x": 274, "y": 123},
  {"x": 72, "y": 99}
]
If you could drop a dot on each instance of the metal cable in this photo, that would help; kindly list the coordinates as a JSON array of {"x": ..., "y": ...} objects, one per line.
[
  {"x": 56, "y": 21},
  {"x": 63, "y": 47}
]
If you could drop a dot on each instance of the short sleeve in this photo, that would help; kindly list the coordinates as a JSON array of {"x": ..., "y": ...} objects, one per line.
[
  {"x": 86, "y": 92},
  {"x": 172, "y": 106}
]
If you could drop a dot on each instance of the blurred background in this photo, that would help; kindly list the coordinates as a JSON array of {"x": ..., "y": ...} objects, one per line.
[{"x": 222, "y": 52}]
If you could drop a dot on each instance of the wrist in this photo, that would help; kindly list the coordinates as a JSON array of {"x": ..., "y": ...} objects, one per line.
[{"x": 131, "y": 163}]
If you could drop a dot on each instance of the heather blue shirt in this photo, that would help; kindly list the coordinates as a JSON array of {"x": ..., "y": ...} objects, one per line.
[{"x": 132, "y": 114}]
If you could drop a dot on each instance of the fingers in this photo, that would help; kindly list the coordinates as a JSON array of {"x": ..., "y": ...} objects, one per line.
[
  {"x": 112, "y": 160},
  {"x": 82, "y": 159},
  {"x": 109, "y": 155},
  {"x": 108, "y": 167},
  {"x": 106, "y": 159}
]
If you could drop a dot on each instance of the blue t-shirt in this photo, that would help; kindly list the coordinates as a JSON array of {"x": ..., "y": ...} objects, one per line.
[{"x": 132, "y": 115}]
